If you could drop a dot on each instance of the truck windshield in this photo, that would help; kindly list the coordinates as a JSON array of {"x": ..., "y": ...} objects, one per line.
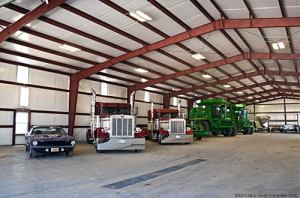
[
  {"x": 168, "y": 115},
  {"x": 115, "y": 111}
]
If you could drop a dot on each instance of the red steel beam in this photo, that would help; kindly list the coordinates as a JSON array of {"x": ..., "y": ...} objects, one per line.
[
  {"x": 236, "y": 78},
  {"x": 234, "y": 90},
  {"x": 229, "y": 60},
  {"x": 216, "y": 25},
  {"x": 29, "y": 17}
]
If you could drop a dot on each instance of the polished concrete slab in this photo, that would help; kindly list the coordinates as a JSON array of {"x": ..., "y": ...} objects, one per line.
[{"x": 242, "y": 166}]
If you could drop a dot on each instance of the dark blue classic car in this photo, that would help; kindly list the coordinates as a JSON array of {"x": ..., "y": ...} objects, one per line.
[{"x": 49, "y": 139}]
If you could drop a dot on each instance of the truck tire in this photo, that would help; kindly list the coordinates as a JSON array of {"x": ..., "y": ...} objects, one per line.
[
  {"x": 159, "y": 138},
  {"x": 87, "y": 138}
]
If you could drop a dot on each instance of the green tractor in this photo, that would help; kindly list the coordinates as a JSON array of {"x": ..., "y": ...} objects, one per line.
[
  {"x": 240, "y": 117},
  {"x": 212, "y": 116}
]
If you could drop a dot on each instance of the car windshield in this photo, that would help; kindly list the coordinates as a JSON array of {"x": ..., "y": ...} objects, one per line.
[{"x": 48, "y": 131}]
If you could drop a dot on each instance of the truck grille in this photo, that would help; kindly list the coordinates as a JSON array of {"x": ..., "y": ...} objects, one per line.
[
  {"x": 122, "y": 126},
  {"x": 177, "y": 126}
]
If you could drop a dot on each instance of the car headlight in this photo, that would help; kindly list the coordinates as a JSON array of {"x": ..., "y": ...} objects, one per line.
[
  {"x": 188, "y": 128},
  {"x": 73, "y": 143},
  {"x": 138, "y": 130},
  {"x": 34, "y": 143}
]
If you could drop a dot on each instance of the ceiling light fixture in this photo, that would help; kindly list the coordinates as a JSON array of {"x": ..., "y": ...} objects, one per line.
[
  {"x": 140, "y": 70},
  {"x": 226, "y": 86},
  {"x": 240, "y": 92},
  {"x": 140, "y": 16},
  {"x": 250, "y": 97},
  {"x": 198, "y": 56},
  {"x": 206, "y": 76},
  {"x": 69, "y": 48},
  {"x": 143, "y": 80},
  {"x": 278, "y": 45}
]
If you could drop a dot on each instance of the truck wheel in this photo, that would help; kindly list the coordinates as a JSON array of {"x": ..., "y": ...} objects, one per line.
[
  {"x": 199, "y": 138},
  {"x": 32, "y": 153},
  {"x": 159, "y": 138}
]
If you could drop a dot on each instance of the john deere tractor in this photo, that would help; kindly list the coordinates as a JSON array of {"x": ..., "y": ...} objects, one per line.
[
  {"x": 212, "y": 116},
  {"x": 240, "y": 117}
]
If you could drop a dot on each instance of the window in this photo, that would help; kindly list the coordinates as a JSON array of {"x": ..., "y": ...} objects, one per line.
[
  {"x": 21, "y": 122},
  {"x": 104, "y": 89},
  {"x": 147, "y": 96},
  {"x": 175, "y": 102},
  {"x": 22, "y": 74},
  {"x": 24, "y": 96}
]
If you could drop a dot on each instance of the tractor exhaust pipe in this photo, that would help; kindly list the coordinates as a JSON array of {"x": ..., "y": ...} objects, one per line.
[
  {"x": 92, "y": 121},
  {"x": 179, "y": 108}
]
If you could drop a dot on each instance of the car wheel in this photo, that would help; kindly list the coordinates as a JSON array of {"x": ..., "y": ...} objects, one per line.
[
  {"x": 26, "y": 148},
  {"x": 32, "y": 153},
  {"x": 69, "y": 153}
]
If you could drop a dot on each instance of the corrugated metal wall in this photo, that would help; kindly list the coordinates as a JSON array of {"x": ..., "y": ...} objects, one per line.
[{"x": 50, "y": 107}]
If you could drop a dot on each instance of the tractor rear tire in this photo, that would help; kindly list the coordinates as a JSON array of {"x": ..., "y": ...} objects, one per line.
[
  {"x": 215, "y": 133},
  {"x": 251, "y": 131},
  {"x": 234, "y": 131},
  {"x": 229, "y": 132}
]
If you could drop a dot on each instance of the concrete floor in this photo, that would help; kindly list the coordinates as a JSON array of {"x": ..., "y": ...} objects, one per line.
[{"x": 243, "y": 166}]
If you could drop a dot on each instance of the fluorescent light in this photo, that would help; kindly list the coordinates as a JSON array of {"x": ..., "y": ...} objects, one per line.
[
  {"x": 101, "y": 59},
  {"x": 206, "y": 76},
  {"x": 240, "y": 92},
  {"x": 281, "y": 45},
  {"x": 140, "y": 70},
  {"x": 140, "y": 16},
  {"x": 70, "y": 48},
  {"x": 173, "y": 89},
  {"x": 278, "y": 45},
  {"x": 198, "y": 56},
  {"x": 226, "y": 86},
  {"x": 143, "y": 15},
  {"x": 143, "y": 80},
  {"x": 275, "y": 46}
]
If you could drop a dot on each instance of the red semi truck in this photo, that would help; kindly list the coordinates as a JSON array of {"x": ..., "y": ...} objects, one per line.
[
  {"x": 113, "y": 127},
  {"x": 168, "y": 126}
]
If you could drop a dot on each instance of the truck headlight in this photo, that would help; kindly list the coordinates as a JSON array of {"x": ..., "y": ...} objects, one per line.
[
  {"x": 138, "y": 130},
  {"x": 34, "y": 143},
  {"x": 73, "y": 143},
  {"x": 188, "y": 129}
]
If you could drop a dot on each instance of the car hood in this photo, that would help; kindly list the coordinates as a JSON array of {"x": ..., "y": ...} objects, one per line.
[{"x": 52, "y": 138}]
